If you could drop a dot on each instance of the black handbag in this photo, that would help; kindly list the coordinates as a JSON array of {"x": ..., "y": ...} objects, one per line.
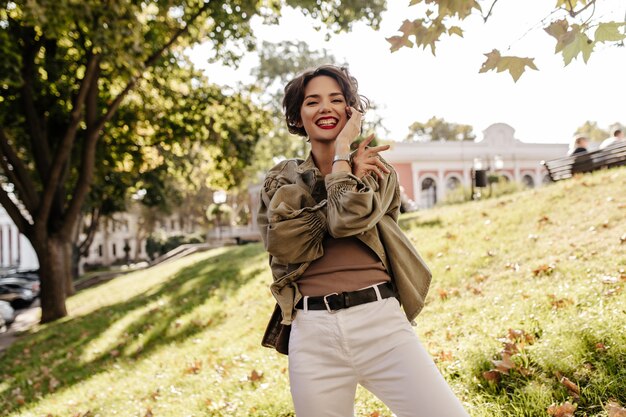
[{"x": 277, "y": 334}]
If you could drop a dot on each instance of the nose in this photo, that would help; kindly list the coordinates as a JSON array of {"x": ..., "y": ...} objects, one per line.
[{"x": 325, "y": 106}]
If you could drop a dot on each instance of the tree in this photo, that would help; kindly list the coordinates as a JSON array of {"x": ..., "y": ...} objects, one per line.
[
  {"x": 572, "y": 24},
  {"x": 438, "y": 129},
  {"x": 592, "y": 131},
  {"x": 68, "y": 68}
]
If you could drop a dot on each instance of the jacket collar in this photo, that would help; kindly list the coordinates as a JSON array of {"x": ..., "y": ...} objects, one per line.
[{"x": 308, "y": 165}]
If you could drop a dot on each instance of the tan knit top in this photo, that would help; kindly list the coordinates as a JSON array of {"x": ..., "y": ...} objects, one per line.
[{"x": 347, "y": 265}]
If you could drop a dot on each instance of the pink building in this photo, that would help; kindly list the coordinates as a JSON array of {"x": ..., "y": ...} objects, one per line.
[{"x": 428, "y": 170}]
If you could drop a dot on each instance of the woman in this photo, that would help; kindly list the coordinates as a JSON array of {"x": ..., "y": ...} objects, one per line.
[{"x": 339, "y": 260}]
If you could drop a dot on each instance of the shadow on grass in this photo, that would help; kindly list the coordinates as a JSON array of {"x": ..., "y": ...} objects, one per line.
[{"x": 49, "y": 360}]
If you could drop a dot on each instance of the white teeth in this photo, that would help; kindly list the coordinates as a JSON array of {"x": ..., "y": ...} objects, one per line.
[{"x": 326, "y": 122}]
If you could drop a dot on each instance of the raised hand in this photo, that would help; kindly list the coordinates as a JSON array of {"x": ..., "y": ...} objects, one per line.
[
  {"x": 366, "y": 160},
  {"x": 351, "y": 130}
]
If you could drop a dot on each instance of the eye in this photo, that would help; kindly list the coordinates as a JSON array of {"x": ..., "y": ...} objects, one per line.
[
  {"x": 311, "y": 103},
  {"x": 338, "y": 100}
]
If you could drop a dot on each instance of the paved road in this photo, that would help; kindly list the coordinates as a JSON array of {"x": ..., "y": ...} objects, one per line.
[{"x": 24, "y": 320}]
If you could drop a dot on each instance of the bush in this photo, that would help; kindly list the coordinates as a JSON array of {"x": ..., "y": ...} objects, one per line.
[
  {"x": 497, "y": 189},
  {"x": 159, "y": 243}
]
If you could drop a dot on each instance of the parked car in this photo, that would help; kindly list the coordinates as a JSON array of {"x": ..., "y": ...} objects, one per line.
[
  {"x": 20, "y": 292},
  {"x": 30, "y": 274},
  {"x": 7, "y": 314}
]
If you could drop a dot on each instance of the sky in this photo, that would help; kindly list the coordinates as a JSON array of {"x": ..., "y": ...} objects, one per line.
[{"x": 409, "y": 85}]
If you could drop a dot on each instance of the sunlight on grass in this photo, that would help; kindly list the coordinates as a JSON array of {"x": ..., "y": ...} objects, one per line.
[{"x": 527, "y": 294}]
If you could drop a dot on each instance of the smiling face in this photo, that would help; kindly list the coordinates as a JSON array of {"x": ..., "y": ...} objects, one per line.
[{"x": 323, "y": 112}]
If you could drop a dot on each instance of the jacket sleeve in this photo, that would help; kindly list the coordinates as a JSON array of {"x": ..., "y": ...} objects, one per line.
[
  {"x": 292, "y": 224},
  {"x": 356, "y": 205}
]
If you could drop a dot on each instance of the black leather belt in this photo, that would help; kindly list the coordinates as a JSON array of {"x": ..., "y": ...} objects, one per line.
[{"x": 335, "y": 301}]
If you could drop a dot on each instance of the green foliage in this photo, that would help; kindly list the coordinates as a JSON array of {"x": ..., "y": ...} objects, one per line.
[
  {"x": 100, "y": 93},
  {"x": 595, "y": 133},
  {"x": 498, "y": 187},
  {"x": 572, "y": 23},
  {"x": 436, "y": 129},
  {"x": 159, "y": 243}
]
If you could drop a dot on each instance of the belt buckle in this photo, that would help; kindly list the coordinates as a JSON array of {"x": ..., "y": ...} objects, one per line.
[{"x": 326, "y": 303}]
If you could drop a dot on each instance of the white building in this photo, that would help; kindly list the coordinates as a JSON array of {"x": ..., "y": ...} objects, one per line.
[
  {"x": 122, "y": 237},
  {"x": 428, "y": 170},
  {"x": 15, "y": 250}
]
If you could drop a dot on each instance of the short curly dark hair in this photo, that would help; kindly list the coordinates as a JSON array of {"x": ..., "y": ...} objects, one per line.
[{"x": 294, "y": 94}]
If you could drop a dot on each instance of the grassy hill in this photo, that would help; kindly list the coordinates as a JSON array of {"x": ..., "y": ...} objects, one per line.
[{"x": 526, "y": 311}]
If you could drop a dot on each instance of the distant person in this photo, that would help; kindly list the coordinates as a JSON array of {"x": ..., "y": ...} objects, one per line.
[
  {"x": 580, "y": 145},
  {"x": 618, "y": 136},
  {"x": 342, "y": 266}
]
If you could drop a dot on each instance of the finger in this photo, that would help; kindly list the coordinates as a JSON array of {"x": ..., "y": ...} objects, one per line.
[
  {"x": 353, "y": 113},
  {"x": 382, "y": 166},
  {"x": 380, "y": 148},
  {"x": 373, "y": 169},
  {"x": 367, "y": 141}
]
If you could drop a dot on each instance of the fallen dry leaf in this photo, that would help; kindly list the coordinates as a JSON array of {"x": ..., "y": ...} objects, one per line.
[
  {"x": 443, "y": 356},
  {"x": 194, "y": 367},
  {"x": 505, "y": 365},
  {"x": 613, "y": 409},
  {"x": 255, "y": 376},
  {"x": 571, "y": 387},
  {"x": 601, "y": 347},
  {"x": 480, "y": 278},
  {"x": 564, "y": 410},
  {"x": 492, "y": 375},
  {"x": 544, "y": 270}
]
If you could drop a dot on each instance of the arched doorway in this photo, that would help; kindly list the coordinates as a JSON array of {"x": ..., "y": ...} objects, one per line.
[
  {"x": 428, "y": 194},
  {"x": 528, "y": 181}
]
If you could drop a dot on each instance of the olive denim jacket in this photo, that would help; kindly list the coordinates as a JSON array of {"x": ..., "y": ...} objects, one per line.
[{"x": 299, "y": 207}]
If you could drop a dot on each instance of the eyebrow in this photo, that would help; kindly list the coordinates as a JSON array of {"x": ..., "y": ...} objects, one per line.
[{"x": 317, "y": 95}]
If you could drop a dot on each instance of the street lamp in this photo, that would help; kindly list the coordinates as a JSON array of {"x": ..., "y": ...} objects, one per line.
[
  {"x": 479, "y": 173},
  {"x": 219, "y": 198}
]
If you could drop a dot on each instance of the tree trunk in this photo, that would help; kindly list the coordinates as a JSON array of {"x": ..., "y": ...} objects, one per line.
[
  {"x": 68, "y": 265},
  {"x": 54, "y": 267}
]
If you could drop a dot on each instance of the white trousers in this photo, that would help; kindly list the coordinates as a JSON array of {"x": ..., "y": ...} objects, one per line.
[{"x": 373, "y": 345}]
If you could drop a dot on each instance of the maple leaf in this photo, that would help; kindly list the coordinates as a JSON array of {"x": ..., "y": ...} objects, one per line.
[
  {"x": 398, "y": 42},
  {"x": 613, "y": 409},
  {"x": 492, "y": 375},
  {"x": 492, "y": 61},
  {"x": 559, "y": 30},
  {"x": 609, "y": 32},
  {"x": 564, "y": 410},
  {"x": 443, "y": 356},
  {"x": 255, "y": 376},
  {"x": 455, "y": 30},
  {"x": 580, "y": 44},
  {"x": 514, "y": 64},
  {"x": 505, "y": 365},
  {"x": 544, "y": 269},
  {"x": 194, "y": 367}
]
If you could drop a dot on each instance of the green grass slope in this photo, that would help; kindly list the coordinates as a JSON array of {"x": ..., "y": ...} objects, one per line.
[{"x": 526, "y": 317}]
